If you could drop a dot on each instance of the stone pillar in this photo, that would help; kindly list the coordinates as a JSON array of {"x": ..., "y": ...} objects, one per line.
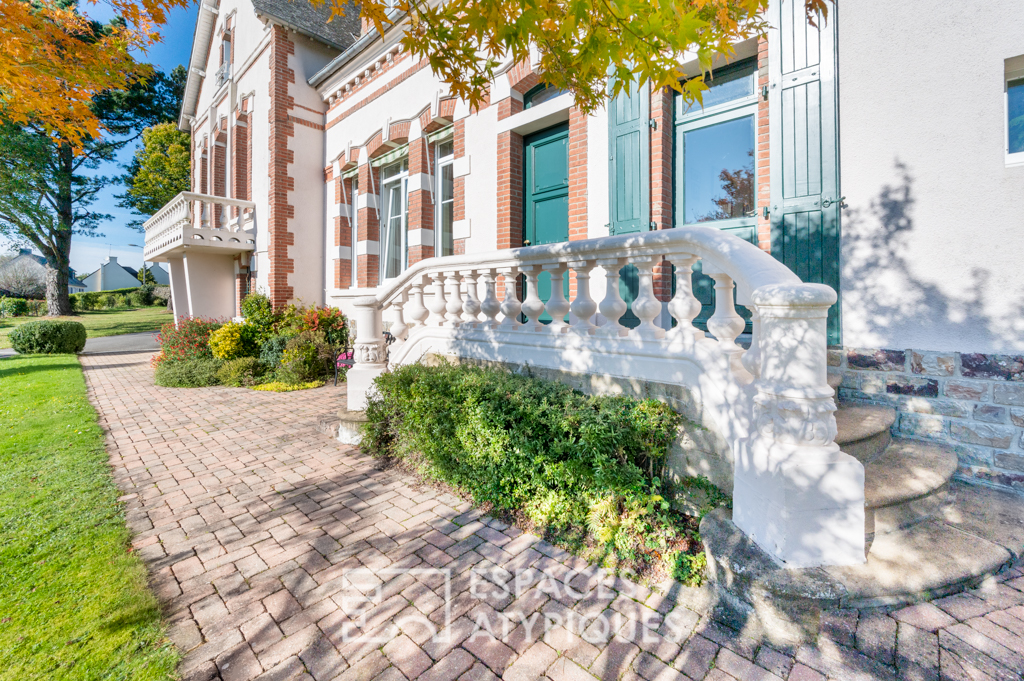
[
  {"x": 795, "y": 494},
  {"x": 179, "y": 289},
  {"x": 370, "y": 351}
]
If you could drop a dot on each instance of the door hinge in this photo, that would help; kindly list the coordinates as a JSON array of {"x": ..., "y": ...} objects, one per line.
[
  {"x": 653, "y": 226},
  {"x": 653, "y": 122},
  {"x": 764, "y": 93},
  {"x": 765, "y": 212}
]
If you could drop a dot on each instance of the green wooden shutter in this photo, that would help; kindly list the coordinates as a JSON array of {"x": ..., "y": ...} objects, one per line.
[
  {"x": 804, "y": 149},
  {"x": 629, "y": 171}
]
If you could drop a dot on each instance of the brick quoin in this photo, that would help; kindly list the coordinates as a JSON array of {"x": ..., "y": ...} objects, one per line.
[
  {"x": 240, "y": 181},
  {"x": 219, "y": 165},
  {"x": 421, "y": 207},
  {"x": 368, "y": 264},
  {"x": 281, "y": 157},
  {"x": 459, "y": 187},
  {"x": 764, "y": 225},
  {"x": 343, "y": 232},
  {"x": 661, "y": 181}
]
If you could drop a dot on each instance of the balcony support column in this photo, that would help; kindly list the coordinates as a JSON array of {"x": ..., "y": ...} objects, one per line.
[{"x": 371, "y": 354}]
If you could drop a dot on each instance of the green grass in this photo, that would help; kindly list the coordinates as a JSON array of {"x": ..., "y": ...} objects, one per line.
[
  {"x": 74, "y": 603},
  {"x": 101, "y": 323}
]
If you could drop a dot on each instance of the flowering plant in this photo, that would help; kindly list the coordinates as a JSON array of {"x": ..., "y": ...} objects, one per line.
[
  {"x": 328, "y": 320},
  {"x": 189, "y": 339}
]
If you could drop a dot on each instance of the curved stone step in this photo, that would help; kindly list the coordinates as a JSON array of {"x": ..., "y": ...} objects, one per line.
[
  {"x": 863, "y": 430},
  {"x": 906, "y": 484}
]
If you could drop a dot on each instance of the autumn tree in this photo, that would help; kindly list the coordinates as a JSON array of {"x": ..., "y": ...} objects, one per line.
[
  {"x": 54, "y": 61},
  {"x": 48, "y": 184},
  {"x": 581, "y": 43}
]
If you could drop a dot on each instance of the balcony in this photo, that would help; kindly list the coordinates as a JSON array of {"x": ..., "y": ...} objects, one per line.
[{"x": 200, "y": 223}]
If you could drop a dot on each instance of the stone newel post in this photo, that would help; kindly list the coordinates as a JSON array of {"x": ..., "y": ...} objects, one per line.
[
  {"x": 796, "y": 495},
  {"x": 370, "y": 352}
]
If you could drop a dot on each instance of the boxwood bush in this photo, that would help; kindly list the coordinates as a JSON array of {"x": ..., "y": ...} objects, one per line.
[
  {"x": 570, "y": 462},
  {"x": 13, "y": 307},
  {"x": 48, "y": 337}
]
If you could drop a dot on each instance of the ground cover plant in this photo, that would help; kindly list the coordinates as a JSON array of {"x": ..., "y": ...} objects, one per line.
[
  {"x": 584, "y": 471},
  {"x": 99, "y": 323},
  {"x": 74, "y": 601}
]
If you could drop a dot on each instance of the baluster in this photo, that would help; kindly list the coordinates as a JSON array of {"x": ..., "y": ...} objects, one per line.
[
  {"x": 751, "y": 359},
  {"x": 489, "y": 305},
  {"x": 204, "y": 216},
  {"x": 557, "y": 306},
  {"x": 684, "y": 306},
  {"x": 471, "y": 305},
  {"x": 416, "y": 311},
  {"x": 533, "y": 306},
  {"x": 399, "y": 329},
  {"x": 613, "y": 306},
  {"x": 583, "y": 306},
  {"x": 454, "y": 306},
  {"x": 511, "y": 308},
  {"x": 223, "y": 222},
  {"x": 726, "y": 324},
  {"x": 436, "y": 304},
  {"x": 647, "y": 306}
]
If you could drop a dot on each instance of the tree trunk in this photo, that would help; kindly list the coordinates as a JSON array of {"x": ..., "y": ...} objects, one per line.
[{"x": 58, "y": 257}]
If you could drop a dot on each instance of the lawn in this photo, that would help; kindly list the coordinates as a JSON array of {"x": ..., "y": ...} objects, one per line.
[
  {"x": 74, "y": 603},
  {"x": 102, "y": 322}
]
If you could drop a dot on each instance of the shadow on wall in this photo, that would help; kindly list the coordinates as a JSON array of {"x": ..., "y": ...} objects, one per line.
[{"x": 885, "y": 296}]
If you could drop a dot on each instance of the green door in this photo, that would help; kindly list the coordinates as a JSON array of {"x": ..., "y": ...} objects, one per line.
[
  {"x": 629, "y": 172},
  {"x": 546, "y": 196},
  {"x": 803, "y": 143}
]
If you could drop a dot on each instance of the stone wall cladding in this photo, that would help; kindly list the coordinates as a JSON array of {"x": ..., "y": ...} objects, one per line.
[{"x": 970, "y": 401}]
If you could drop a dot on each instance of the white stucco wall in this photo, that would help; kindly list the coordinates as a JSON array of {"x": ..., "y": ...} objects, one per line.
[{"x": 934, "y": 232}]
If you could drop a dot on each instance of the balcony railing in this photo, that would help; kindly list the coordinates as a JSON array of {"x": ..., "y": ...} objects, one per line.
[
  {"x": 201, "y": 222},
  {"x": 771, "y": 402}
]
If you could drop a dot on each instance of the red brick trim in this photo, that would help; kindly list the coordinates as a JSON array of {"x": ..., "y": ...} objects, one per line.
[
  {"x": 510, "y": 190},
  {"x": 661, "y": 181},
  {"x": 577, "y": 174},
  {"x": 764, "y": 225},
  {"x": 240, "y": 178},
  {"x": 282, "y": 127},
  {"x": 522, "y": 78},
  {"x": 303, "y": 121},
  {"x": 421, "y": 206},
  {"x": 368, "y": 265},
  {"x": 391, "y": 85},
  {"x": 343, "y": 232}
]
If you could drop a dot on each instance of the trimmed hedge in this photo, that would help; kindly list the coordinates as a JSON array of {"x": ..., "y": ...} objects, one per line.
[
  {"x": 570, "y": 462},
  {"x": 96, "y": 300},
  {"x": 192, "y": 373},
  {"x": 13, "y": 307},
  {"x": 48, "y": 337}
]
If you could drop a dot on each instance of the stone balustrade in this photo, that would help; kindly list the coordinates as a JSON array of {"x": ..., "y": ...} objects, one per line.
[
  {"x": 795, "y": 493},
  {"x": 200, "y": 222}
]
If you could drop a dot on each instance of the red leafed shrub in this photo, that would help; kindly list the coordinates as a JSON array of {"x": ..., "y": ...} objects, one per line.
[{"x": 188, "y": 340}]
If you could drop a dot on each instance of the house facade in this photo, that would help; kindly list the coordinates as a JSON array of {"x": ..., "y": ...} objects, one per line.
[
  {"x": 111, "y": 275},
  {"x": 28, "y": 271},
  {"x": 328, "y": 163}
]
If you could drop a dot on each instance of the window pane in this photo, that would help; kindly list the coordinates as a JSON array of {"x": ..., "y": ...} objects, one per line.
[
  {"x": 718, "y": 171},
  {"x": 392, "y": 170},
  {"x": 725, "y": 88},
  {"x": 447, "y": 239},
  {"x": 540, "y": 96},
  {"x": 446, "y": 148},
  {"x": 447, "y": 183},
  {"x": 1015, "y": 109},
  {"x": 392, "y": 256}
]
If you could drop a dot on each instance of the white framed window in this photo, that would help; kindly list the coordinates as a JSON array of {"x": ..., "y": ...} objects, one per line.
[
  {"x": 394, "y": 253},
  {"x": 1014, "y": 106},
  {"x": 444, "y": 236},
  {"x": 716, "y": 149},
  {"x": 353, "y": 221}
]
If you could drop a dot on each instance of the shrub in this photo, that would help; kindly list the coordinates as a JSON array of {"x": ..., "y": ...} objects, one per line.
[
  {"x": 13, "y": 307},
  {"x": 188, "y": 340},
  {"x": 326, "y": 320},
  {"x": 242, "y": 372},
  {"x": 279, "y": 387},
  {"x": 570, "y": 462},
  {"x": 272, "y": 350},
  {"x": 306, "y": 357},
  {"x": 93, "y": 300},
  {"x": 139, "y": 298},
  {"x": 36, "y": 308},
  {"x": 118, "y": 301},
  {"x": 259, "y": 312},
  {"x": 234, "y": 340},
  {"x": 197, "y": 372},
  {"x": 48, "y": 337}
]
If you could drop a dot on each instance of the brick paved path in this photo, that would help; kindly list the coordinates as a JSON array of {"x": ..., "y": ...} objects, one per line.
[{"x": 255, "y": 528}]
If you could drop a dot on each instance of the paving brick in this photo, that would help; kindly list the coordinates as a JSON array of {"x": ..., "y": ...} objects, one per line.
[
  {"x": 741, "y": 668},
  {"x": 916, "y": 647},
  {"x": 407, "y": 656},
  {"x": 531, "y": 664},
  {"x": 452, "y": 666},
  {"x": 924, "y": 616},
  {"x": 615, "y": 659},
  {"x": 238, "y": 664},
  {"x": 490, "y": 650},
  {"x": 876, "y": 637}
]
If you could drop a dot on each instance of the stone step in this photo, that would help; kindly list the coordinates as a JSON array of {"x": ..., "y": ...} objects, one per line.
[
  {"x": 906, "y": 484},
  {"x": 863, "y": 430},
  {"x": 977, "y": 535}
]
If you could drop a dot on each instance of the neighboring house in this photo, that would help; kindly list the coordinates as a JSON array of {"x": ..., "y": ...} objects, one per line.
[
  {"x": 26, "y": 272},
  {"x": 841, "y": 152},
  {"x": 160, "y": 275},
  {"x": 111, "y": 275}
]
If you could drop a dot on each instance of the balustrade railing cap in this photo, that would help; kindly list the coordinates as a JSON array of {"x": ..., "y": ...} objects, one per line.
[{"x": 795, "y": 295}]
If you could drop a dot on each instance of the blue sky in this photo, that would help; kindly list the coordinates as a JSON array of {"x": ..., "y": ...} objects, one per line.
[{"x": 88, "y": 252}]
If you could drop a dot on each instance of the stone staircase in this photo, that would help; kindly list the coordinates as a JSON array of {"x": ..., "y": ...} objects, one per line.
[{"x": 927, "y": 536}]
